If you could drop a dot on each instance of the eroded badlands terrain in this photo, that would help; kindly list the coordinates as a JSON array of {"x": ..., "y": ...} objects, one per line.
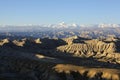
[{"x": 72, "y": 58}]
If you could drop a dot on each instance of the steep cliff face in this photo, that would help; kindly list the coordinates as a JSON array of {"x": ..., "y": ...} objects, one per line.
[
  {"x": 57, "y": 59},
  {"x": 91, "y": 48}
]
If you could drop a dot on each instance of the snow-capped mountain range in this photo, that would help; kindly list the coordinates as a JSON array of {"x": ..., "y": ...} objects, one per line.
[{"x": 62, "y": 25}]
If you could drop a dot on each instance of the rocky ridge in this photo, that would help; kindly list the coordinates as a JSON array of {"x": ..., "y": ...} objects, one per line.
[{"x": 73, "y": 58}]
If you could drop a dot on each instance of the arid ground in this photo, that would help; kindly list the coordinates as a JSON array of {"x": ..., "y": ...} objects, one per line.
[{"x": 72, "y": 58}]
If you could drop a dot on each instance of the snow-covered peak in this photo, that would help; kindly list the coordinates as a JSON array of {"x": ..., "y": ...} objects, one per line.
[
  {"x": 74, "y": 25},
  {"x": 62, "y": 23},
  {"x": 108, "y": 25}
]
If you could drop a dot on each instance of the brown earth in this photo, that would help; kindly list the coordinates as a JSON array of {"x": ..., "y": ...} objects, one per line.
[{"x": 73, "y": 58}]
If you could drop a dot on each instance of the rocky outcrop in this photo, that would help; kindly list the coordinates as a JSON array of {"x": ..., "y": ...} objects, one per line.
[
  {"x": 92, "y": 48},
  {"x": 57, "y": 59},
  {"x": 4, "y": 41}
]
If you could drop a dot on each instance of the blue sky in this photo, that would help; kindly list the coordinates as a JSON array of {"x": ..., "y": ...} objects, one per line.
[{"x": 54, "y": 11}]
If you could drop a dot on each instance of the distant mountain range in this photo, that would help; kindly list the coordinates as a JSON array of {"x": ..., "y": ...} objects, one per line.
[
  {"x": 61, "y": 30},
  {"x": 60, "y": 52},
  {"x": 45, "y": 27}
]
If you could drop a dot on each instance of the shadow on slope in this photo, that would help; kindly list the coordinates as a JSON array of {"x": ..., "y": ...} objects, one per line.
[{"x": 52, "y": 64}]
